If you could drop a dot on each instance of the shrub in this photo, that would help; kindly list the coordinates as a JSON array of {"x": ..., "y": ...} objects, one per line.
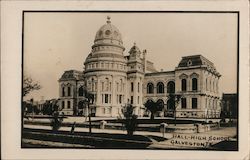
[
  {"x": 56, "y": 122},
  {"x": 130, "y": 121}
]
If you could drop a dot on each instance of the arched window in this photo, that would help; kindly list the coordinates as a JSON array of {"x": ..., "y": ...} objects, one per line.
[
  {"x": 80, "y": 91},
  {"x": 170, "y": 104},
  {"x": 160, "y": 87},
  {"x": 194, "y": 84},
  {"x": 160, "y": 102},
  {"x": 171, "y": 87},
  {"x": 183, "y": 84},
  {"x": 69, "y": 91},
  {"x": 150, "y": 88},
  {"x": 63, "y": 91}
]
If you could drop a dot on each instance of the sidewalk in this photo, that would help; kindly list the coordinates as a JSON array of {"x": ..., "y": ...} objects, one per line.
[
  {"x": 174, "y": 140},
  {"x": 95, "y": 130}
]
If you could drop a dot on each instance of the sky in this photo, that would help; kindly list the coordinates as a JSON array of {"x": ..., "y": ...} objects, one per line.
[{"x": 58, "y": 41}]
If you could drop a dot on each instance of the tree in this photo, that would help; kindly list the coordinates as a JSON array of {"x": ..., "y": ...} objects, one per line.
[
  {"x": 153, "y": 107},
  {"x": 29, "y": 85},
  {"x": 56, "y": 122},
  {"x": 50, "y": 107},
  {"x": 175, "y": 99},
  {"x": 89, "y": 99},
  {"x": 130, "y": 121}
]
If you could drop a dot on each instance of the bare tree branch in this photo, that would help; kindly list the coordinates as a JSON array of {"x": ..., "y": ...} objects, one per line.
[{"x": 29, "y": 85}]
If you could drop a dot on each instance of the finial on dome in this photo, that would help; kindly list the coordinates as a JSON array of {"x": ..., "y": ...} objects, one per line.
[
  {"x": 108, "y": 19},
  {"x": 134, "y": 43}
]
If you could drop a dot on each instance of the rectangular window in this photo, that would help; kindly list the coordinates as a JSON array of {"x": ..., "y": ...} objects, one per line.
[
  {"x": 132, "y": 100},
  {"x": 183, "y": 103},
  {"x": 63, "y": 105},
  {"x": 69, "y": 91},
  {"x": 63, "y": 91},
  {"x": 132, "y": 86},
  {"x": 194, "y": 103},
  {"x": 106, "y": 98},
  {"x": 138, "y": 86},
  {"x": 184, "y": 85},
  {"x": 138, "y": 100},
  {"x": 120, "y": 99},
  {"x": 68, "y": 104}
]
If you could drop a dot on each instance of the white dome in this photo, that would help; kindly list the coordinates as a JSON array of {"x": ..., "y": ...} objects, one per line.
[{"x": 108, "y": 32}]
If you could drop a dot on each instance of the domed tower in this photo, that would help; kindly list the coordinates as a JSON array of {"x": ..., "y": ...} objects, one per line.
[{"x": 106, "y": 71}]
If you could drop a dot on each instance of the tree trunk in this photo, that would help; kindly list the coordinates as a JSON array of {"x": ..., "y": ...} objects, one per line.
[{"x": 152, "y": 116}]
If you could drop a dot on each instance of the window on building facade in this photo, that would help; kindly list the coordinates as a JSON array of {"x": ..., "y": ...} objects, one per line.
[
  {"x": 132, "y": 100},
  {"x": 206, "y": 85},
  {"x": 80, "y": 91},
  {"x": 63, "y": 105},
  {"x": 210, "y": 85},
  {"x": 138, "y": 100},
  {"x": 69, "y": 91},
  {"x": 171, "y": 87},
  {"x": 170, "y": 104},
  {"x": 132, "y": 86},
  {"x": 160, "y": 87},
  {"x": 106, "y": 98},
  {"x": 63, "y": 91},
  {"x": 194, "y": 84},
  {"x": 150, "y": 88},
  {"x": 120, "y": 99},
  {"x": 68, "y": 105},
  {"x": 92, "y": 85},
  {"x": 184, "y": 85},
  {"x": 160, "y": 102},
  {"x": 138, "y": 87},
  {"x": 194, "y": 103},
  {"x": 183, "y": 103}
]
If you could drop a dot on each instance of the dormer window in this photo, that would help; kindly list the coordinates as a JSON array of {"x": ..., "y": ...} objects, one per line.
[{"x": 189, "y": 63}]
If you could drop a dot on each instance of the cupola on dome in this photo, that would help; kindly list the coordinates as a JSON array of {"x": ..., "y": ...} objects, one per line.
[{"x": 108, "y": 32}]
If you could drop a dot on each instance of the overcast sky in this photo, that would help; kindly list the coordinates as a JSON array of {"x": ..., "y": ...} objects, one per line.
[{"x": 55, "y": 42}]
